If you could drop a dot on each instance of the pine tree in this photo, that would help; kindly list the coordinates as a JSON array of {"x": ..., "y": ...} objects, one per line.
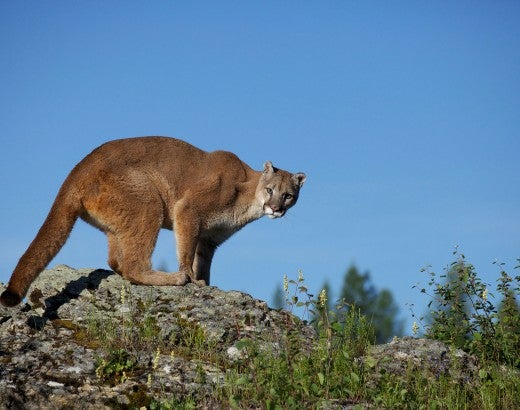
[
  {"x": 378, "y": 306},
  {"x": 278, "y": 298}
]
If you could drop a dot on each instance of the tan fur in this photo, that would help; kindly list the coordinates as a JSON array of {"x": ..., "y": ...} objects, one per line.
[{"x": 131, "y": 188}]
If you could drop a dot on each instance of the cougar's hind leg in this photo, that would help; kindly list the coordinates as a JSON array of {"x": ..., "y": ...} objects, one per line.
[
  {"x": 130, "y": 212},
  {"x": 114, "y": 253},
  {"x": 131, "y": 251}
]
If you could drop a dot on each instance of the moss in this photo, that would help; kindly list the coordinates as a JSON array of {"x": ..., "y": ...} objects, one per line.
[
  {"x": 185, "y": 308},
  {"x": 80, "y": 335},
  {"x": 139, "y": 397},
  {"x": 5, "y": 359},
  {"x": 83, "y": 338},
  {"x": 65, "y": 324},
  {"x": 35, "y": 299}
]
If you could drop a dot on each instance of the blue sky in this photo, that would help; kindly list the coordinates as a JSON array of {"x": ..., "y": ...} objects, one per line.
[{"x": 404, "y": 116}]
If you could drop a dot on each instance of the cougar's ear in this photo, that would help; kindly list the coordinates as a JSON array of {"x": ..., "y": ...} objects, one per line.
[
  {"x": 299, "y": 178},
  {"x": 268, "y": 168}
]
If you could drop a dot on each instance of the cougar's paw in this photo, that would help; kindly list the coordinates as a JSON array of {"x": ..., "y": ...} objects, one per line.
[
  {"x": 183, "y": 278},
  {"x": 199, "y": 282},
  {"x": 9, "y": 298}
]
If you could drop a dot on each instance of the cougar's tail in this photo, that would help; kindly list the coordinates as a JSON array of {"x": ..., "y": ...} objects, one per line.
[{"x": 49, "y": 240}]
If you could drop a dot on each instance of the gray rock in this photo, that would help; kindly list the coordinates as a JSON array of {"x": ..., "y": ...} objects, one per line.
[
  {"x": 433, "y": 358},
  {"x": 52, "y": 348}
]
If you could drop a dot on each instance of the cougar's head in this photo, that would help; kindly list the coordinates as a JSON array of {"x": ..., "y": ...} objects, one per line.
[{"x": 278, "y": 190}]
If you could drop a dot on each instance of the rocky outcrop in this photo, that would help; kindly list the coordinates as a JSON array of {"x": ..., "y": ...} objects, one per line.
[
  {"x": 53, "y": 350},
  {"x": 87, "y": 339}
]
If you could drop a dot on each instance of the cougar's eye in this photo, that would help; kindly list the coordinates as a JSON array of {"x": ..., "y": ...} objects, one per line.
[
  {"x": 287, "y": 196},
  {"x": 269, "y": 191}
]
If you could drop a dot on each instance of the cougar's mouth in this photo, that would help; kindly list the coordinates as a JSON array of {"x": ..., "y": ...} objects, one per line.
[{"x": 273, "y": 214}]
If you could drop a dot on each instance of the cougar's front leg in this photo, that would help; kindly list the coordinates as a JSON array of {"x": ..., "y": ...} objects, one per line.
[
  {"x": 187, "y": 230},
  {"x": 202, "y": 263}
]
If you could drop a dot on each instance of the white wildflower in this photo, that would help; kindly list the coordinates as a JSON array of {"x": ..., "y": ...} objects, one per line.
[
  {"x": 156, "y": 359},
  {"x": 123, "y": 294},
  {"x": 484, "y": 294},
  {"x": 322, "y": 298},
  {"x": 415, "y": 328}
]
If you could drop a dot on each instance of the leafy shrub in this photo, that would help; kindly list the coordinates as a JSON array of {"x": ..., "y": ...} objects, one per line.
[{"x": 464, "y": 312}]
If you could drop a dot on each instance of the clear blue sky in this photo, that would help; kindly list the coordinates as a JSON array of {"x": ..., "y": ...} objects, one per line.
[{"x": 404, "y": 115}]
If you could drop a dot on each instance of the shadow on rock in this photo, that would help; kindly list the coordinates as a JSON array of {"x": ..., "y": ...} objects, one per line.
[{"x": 71, "y": 291}]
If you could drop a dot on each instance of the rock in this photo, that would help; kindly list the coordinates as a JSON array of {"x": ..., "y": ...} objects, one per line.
[
  {"x": 88, "y": 339},
  {"x": 53, "y": 349},
  {"x": 433, "y": 358}
]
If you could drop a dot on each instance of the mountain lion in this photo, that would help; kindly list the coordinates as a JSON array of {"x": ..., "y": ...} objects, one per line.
[{"x": 131, "y": 188}]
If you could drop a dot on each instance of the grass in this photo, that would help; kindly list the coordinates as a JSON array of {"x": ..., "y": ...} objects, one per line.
[{"x": 334, "y": 370}]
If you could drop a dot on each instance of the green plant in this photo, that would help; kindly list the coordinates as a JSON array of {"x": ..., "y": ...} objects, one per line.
[
  {"x": 299, "y": 374},
  {"x": 174, "y": 404},
  {"x": 336, "y": 369},
  {"x": 463, "y": 312},
  {"x": 115, "y": 368}
]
